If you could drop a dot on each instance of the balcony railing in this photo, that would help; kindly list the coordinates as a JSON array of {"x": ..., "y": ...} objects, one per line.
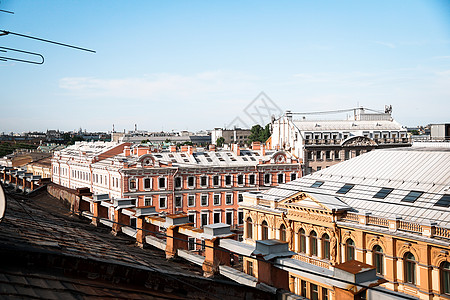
[{"x": 312, "y": 260}]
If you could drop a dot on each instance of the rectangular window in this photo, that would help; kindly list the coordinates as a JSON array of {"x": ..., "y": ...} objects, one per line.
[
  {"x": 345, "y": 188},
  {"x": 280, "y": 178},
  {"x": 191, "y": 244},
  {"x": 229, "y": 217},
  {"x": 204, "y": 181},
  {"x": 324, "y": 293},
  {"x": 240, "y": 217},
  {"x": 317, "y": 184},
  {"x": 328, "y": 154},
  {"x": 162, "y": 202},
  {"x": 250, "y": 268},
  {"x": 444, "y": 201},
  {"x": 412, "y": 196},
  {"x": 191, "y": 181},
  {"x": 217, "y": 215},
  {"x": 240, "y": 197},
  {"x": 177, "y": 182},
  {"x": 216, "y": 180},
  {"x": 178, "y": 201},
  {"x": 204, "y": 200},
  {"x": 293, "y": 176},
  {"x": 229, "y": 199},
  {"x": 314, "y": 292},
  {"x": 240, "y": 179},
  {"x": 267, "y": 179},
  {"x": 192, "y": 218},
  {"x": 383, "y": 193},
  {"x": 318, "y": 155},
  {"x": 147, "y": 201},
  {"x": 337, "y": 154},
  {"x": 162, "y": 182},
  {"x": 319, "y": 168},
  {"x": 303, "y": 288},
  {"x": 132, "y": 183},
  {"x": 204, "y": 218},
  {"x": 228, "y": 179},
  {"x": 191, "y": 200},
  {"x": 147, "y": 183},
  {"x": 310, "y": 155},
  {"x": 252, "y": 179},
  {"x": 347, "y": 154},
  {"x": 216, "y": 199}
]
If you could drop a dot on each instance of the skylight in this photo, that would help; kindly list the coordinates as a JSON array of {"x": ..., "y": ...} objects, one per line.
[
  {"x": 317, "y": 184},
  {"x": 412, "y": 196},
  {"x": 383, "y": 193},
  {"x": 444, "y": 201},
  {"x": 344, "y": 190}
]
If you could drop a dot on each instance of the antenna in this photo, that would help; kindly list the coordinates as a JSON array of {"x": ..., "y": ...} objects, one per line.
[{"x": 5, "y": 58}]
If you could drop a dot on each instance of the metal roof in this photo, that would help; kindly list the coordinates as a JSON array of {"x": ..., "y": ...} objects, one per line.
[{"x": 346, "y": 125}]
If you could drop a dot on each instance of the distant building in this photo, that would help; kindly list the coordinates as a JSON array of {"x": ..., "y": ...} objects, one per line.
[
  {"x": 323, "y": 143},
  {"x": 42, "y": 167},
  {"x": 440, "y": 131},
  {"x": 231, "y": 136},
  {"x": 22, "y": 157},
  {"x": 206, "y": 184},
  {"x": 160, "y": 138},
  {"x": 389, "y": 208}
]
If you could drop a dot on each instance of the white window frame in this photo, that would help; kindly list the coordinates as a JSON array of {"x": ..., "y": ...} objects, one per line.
[
  {"x": 204, "y": 176},
  {"x": 214, "y": 199},
  {"x": 243, "y": 179},
  {"x": 193, "y": 213},
  {"x": 143, "y": 183},
  {"x": 226, "y": 198},
  {"x": 189, "y": 196},
  {"x": 165, "y": 202},
  {"x": 228, "y": 211},
  {"x": 201, "y": 199},
  {"x": 249, "y": 176},
  {"x": 284, "y": 178},
  {"x": 293, "y": 174},
  {"x": 270, "y": 179},
  {"x": 174, "y": 182},
  {"x": 240, "y": 195},
  {"x": 136, "y": 182},
  {"x": 181, "y": 201},
  {"x": 214, "y": 216},
  {"x": 201, "y": 218},
  {"x": 218, "y": 182},
  {"x": 165, "y": 183},
  {"x": 237, "y": 216},
  {"x": 225, "y": 180},
  {"x": 146, "y": 198},
  {"x": 187, "y": 182}
]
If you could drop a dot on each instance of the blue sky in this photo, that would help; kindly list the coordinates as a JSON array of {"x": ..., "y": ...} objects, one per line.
[{"x": 174, "y": 65}]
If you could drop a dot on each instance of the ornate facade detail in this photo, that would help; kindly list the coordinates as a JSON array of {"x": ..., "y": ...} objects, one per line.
[
  {"x": 359, "y": 141},
  {"x": 408, "y": 247},
  {"x": 439, "y": 256}
]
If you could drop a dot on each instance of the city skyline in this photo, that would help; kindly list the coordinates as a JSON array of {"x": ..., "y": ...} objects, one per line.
[{"x": 176, "y": 66}]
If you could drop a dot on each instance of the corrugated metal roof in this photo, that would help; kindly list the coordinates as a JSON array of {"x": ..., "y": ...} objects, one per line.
[{"x": 346, "y": 125}]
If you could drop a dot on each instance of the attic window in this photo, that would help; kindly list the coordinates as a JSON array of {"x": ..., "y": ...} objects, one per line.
[
  {"x": 344, "y": 190},
  {"x": 444, "y": 201},
  {"x": 317, "y": 184},
  {"x": 412, "y": 196},
  {"x": 383, "y": 193}
]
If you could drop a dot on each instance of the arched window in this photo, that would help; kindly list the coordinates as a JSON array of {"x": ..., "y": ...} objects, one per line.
[
  {"x": 264, "y": 231},
  {"x": 378, "y": 259},
  {"x": 283, "y": 233},
  {"x": 302, "y": 241},
  {"x": 410, "y": 268},
  {"x": 249, "y": 228},
  {"x": 326, "y": 246},
  {"x": 350, "y": 250},
  {"x": 313, "y": 243},
  {"x": 445, "y": 277}
]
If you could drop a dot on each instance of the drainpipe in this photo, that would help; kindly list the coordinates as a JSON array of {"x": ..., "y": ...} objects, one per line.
[{"x": 173, "y": 190}]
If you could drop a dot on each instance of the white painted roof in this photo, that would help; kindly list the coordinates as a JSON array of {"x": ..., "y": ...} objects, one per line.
[
  {"x": 402, "y": 169},
  {"x": 346, "y": 125}
]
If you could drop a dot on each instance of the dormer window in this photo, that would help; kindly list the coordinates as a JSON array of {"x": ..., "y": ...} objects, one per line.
[{"x": 383, "y": 193}]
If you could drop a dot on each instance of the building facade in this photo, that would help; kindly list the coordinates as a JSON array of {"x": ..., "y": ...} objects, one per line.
[
  {"x": 388, "y": 208},
  {"x": 205, "y": 184},
  {"x": 231, "y": 136},
  {"x": 323, "y": 143}
]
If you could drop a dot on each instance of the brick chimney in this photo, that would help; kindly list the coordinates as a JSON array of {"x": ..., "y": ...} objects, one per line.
[
  {"x": 212, "y": 147},
  {"x": 184, "y": 149},
  {"x": 263, "y": 150},
  {"x": 142, "y": 150},
  {"x": 173, "y": 148},
  {"x": 190, "y": 149},
  {"x": 126, "y": 151},
  {"x": 236, "y": 149},
  {"x": 256, "y": 145}
]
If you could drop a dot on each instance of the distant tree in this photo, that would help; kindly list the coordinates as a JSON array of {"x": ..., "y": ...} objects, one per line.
[
  {"x": 259, "y": 134},
  {"x": 220, "y": 141},
  {"x": 415, "y": 132},
  {"x": 167, "y": 141}
]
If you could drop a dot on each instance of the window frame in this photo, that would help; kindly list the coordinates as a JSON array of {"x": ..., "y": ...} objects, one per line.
[{"x": 165, "y": 202}]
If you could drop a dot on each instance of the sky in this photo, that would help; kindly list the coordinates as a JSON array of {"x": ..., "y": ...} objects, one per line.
[{"x": 197, "y": 65}]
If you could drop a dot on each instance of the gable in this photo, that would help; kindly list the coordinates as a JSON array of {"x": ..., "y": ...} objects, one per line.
[{"x": 302, "y": 199}]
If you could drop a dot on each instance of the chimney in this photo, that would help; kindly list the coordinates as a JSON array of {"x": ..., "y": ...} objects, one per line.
[
  {"x": 263, "y": 149},
  {"x": 212, "y": 147},
  {"x": 173, "y": 148},
  {"x": 184, "y": 149},
  {"x": 126, "y": 151},
  {"x": 256, "y": 145},
  {"x": 142, "y": 150},
  {"x": 236, "y": 149},
  {"x": 190, "y": 149}
]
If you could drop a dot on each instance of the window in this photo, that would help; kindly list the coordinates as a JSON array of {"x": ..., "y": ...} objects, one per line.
[
  {"x": 444, "y": 201},
  {"x": 410, "y": 268},
  {"x": 204, "y": 218},
  {"x": 344, "y": 190},
  {"x": 147, "y": 201},
  {"x": 350, "y": 250},
  {"x": 412, "y": 196},
  {"x": 337, "y": 154},
  {"x": 378, "y": 259},
  {"x": 147, "y": 183},
  {"x": 216, "y": 180},
  {"x": 133, "y": 182},
  {"x": 313, "y": 243},
  {"x": 324, "y": 293},
  {"x": 178, "y": 201},
  {"x": 204, "y": 200},
  {"x": 229, "y": 199},
  {"x": 191, "y": 200},
  {"x": 177, "y": 182},
  {"x": 252, "y": 179},
  {"x": 303, "y": 288},
  {"x": 293, "y": 176},
  {"x": 191, "y": 181},
  {"x": 264, "y": 231},
  {"x": 162, "y": 202},
  {"x": 216, "y": 199},
  {"x": 240, "y": 197},
  {"x": 383, "y": 193},
  {"x": 310, "y": 155},
  {"x": 358, "y": 152},
  {"x": 191, "y": 217},
  {"x": 240, "y": 179},
  {"x": 217, "y": 215},
  {"x": 302, "y": 240},
  {"x": 445, "y": 277},
  {"x": 326, "y": 246},
  {"x": 249, "y": 267},
  {"x": 249, "y": 228},
  {"x": 347, "y": 154},
  {"x": 328, "y": 154},
  {"x": 227, "y": 179},
  {"x": 267, "y": 179},
  {"x": 191, "y": 244},
  {"x": 317, "y": 184},
  {"x": 240, "y": 217},
  {"x": 314, "y": 292},
  {"x": 204, "y": 181},
  {"x": 162, "y": 182},
  {"x": 280, "y": 178},
  {"x": 229, "y": 217},
  {"x": 283, "y": 233},
  {"x": 318, "y": 155}
]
